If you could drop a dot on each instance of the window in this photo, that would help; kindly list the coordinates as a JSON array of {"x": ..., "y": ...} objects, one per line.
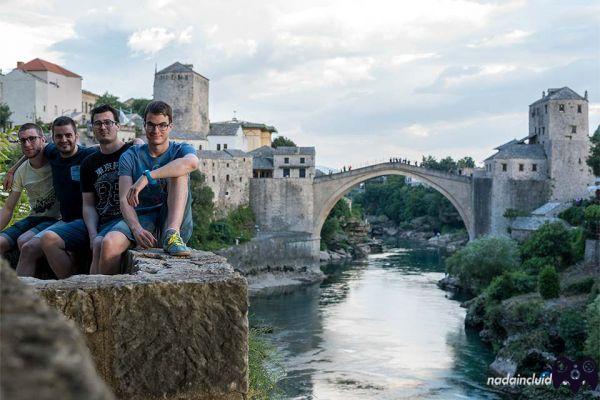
[
  {"x": 535, "y": 130},
  {"x": 521, "y": 167},
  {"x": 204, "y": 163},
  {"x": 213, "y": 178},
  {"x": 286, "y": 160},
  {"x": 227, "y": 165},
  {"x": 561, "y": 107},
  {"x": 302, "y": 172},
  {"x": 546, "y": 109},
  {"x": 225, "y": 146},
  {"x": 240, "y": 178},
  {"x": 286, "y": 172},
  {"x": 227, "y": 178},
  {"x": 573, "y": 129},
  {"x": 302, "y": 160},
  {"x": 534, "y": 167},
  {"x": 226, "y": 193},
  {"x": 504, "y": 167},
  {"x": 199, "y": 147},
  {"x": 218, "y": 146},
  {"x": 579, "y": 108},
  {"x": 543, "y": 130}
]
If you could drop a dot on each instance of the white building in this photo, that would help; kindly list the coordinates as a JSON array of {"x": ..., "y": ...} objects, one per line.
[
  {"x": 40, "y": 90},
  {"x": 241, "y": 135}
]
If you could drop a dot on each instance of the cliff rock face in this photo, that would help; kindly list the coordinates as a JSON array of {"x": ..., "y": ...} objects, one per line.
[
  {"x": 43, "y": 355},
  {"x": 170, "y": 329}
]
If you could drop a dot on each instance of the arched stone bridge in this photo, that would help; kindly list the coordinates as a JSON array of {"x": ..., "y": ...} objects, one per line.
[{"x": 329, "y": 189}]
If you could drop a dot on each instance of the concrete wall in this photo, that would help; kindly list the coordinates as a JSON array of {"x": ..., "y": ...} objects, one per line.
[
  {"x": 25, "y": 95},
  {"x": 282, "y": 205},
  {"x": 482, "y": 202},
  {"x": 63, "y": 94},
  {"x": 294, "y": 165},
  {"x": 236, "y": 142},
  {"x": 229, "y": 180},
  {"x": 513, "y": 168}
]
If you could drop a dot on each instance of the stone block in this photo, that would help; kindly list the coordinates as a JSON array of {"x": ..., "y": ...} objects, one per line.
[
  {"x": 172, "y": 328},
  {"x": 44, "y": 356}
]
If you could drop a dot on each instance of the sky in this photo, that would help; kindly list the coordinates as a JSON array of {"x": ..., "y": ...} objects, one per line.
[{"x": 360, "y": 80}]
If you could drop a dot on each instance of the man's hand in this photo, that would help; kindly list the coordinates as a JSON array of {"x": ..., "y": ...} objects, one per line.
[
  {"x": 92, "y": 238},
  {"x": 8, "y": 179},
  {"x": 144, "y": 238},
  {"x": 135, "y": 189}
]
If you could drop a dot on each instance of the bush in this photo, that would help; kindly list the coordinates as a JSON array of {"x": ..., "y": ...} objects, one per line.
[
  {"x": 592, "y": 342},
  {"x": 573, "y": 215},
  {"x": 512, "y": 213},
  {"x": 535, "y": 264},
  {"x": 481, "y": 260},
  {"x": 572, "y": 329},
  {"x": 592, "y": 220},
  {"x": 580, "y": 287},
  {"x": 577, "y": 242},
  {"x": 548, "y": 283},
  {"x": 510, "y": 284},
  {"x": 550, "y": 240}
]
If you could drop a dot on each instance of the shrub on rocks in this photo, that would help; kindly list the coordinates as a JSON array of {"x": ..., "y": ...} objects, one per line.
[
  {"x": 551, "y": 240},
  {"x": 592, "y": 342},
  {"x": 572, "y": 329},
  {"x": 548, "y": 284}
]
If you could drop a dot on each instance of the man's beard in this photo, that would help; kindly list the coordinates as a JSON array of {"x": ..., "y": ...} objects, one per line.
[{"x": 35, "y": 155}]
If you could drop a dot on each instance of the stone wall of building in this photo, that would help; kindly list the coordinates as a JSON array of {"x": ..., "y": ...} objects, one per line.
[
  {"x": 229, "y": 179},
  {"x": 282, "y": 205},
  {"x": 294, "y": 164},
  {"x": 482, "y": 201}
]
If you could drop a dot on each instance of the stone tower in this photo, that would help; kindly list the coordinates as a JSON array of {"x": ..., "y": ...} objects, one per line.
[
  {"x": 559, "y": 122},
  {"x": 187, "y": 92}
]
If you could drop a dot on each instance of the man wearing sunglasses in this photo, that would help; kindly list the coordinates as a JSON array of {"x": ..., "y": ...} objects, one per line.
[
  {"x": 35, "y": 176},
  {"x": 154, "y": 194}
]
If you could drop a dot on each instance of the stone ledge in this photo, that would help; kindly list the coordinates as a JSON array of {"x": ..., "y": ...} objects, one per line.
[{"x": 173, "y": 328}]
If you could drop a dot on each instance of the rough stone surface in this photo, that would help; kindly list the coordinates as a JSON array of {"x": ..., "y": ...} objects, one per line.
[
  {"x": 592, "y": 252},
  {"x": 171, "y": 329},
  {"x": 44, "y": 356}
]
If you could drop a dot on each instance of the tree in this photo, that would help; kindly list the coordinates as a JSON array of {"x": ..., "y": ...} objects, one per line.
[
  {"x": 448, "y": 164},
  {"x": 5, "y": 114},
  {"x": 282, "y": 141},
  {"x": 138, "y": 106},
  {"x": 594, "y": 159},
  {"x": 430, "y": 162},
  {"x": 550, "y": 240},
  {"x": 466, "y": 162},
  {"x": 548, "y": 283},
  {"x": 111, "y": 100}
]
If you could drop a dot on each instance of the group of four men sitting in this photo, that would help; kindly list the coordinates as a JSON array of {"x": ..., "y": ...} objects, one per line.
[{"x": 107, "y": 198}]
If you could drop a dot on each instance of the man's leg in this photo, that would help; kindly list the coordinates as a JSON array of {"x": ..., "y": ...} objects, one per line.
[
  {"x": 24, "y": 238},
  {"x": 59, "y": 259},
  {"x": 96, "y": 248},
  {"x": 5, "y": 245},
  {"x": 114, "y": 244},
  {"x": 31, "y": 252},
  {"x": 177, "y": 189}
]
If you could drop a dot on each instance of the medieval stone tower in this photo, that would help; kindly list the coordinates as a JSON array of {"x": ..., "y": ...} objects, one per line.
[
  {"x": 559, "y": 122},
  {"x": 187, "y": 92}
]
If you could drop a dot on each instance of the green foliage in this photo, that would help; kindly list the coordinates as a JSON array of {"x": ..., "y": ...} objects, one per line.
[
  {"x": 466, "y": 162},
  {"x": 573, "y": 215},
  {"x": 550, "y": 240},
  {"x": 594, "y": 158},
  {"x": 572, "y": 329},
  {"x": 535, "y": 264},
  {"x": 10, "y": 152},
  {"x": 138, "y": 106},
  {"x": 282, "y": 141},
  {"x": 548, "y": 283},
  {"x": 481, "y": 260},
  {"x": 202, "y": 210},
  {"x": 592, "y": 343},
  {"x": 111, "y": 100},
  {"x": 579, "y": 287},
  {"x": 333, "y": 226},
  {"x": 263, "y": 366},
  {"x": 5, "y": 114},
  {"x": 577, "y": 243},
  {"x": 511, "y": 213},
  {"x": 591, "y": 216},
  {"x": 509, "y": 284}
]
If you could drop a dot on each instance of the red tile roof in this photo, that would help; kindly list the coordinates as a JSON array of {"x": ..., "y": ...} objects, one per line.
[{"x": 42, "y": 65}]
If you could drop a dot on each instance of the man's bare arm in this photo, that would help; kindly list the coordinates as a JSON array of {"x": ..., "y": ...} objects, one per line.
[
  {"x": 8, "y": 177},
  {"x": 90, "y": 215},
  {"x": 9, "y": 207},
  {"x": 142, "y": 236}
]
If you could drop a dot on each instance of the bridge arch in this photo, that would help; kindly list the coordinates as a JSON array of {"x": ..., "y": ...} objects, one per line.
[{"x": 329, "y": 189}]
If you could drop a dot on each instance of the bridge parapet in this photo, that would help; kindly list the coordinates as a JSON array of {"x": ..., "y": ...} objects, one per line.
[{"x": 400, "y": 166}]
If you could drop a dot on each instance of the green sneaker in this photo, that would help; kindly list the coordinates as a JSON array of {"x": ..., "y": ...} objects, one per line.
[{"x": 174, "y": 245}]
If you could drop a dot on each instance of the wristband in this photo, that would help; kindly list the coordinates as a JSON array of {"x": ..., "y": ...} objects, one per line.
[{"x": 151, "y": 180}]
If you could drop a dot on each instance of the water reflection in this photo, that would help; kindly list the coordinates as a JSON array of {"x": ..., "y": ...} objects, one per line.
[{"x": 378, "y": 329}]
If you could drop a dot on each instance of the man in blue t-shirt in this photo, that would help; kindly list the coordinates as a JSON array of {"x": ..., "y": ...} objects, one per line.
[{"x": 153, "y": 190}]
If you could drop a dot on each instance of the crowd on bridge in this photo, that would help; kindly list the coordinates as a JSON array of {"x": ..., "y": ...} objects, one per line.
[{"x": 403, "y": 161}]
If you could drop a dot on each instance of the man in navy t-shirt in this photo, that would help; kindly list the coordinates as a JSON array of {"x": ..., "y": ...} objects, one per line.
[{"x": 154, "y": 194}]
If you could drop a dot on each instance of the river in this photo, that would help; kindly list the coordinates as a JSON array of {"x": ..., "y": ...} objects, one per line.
[{"x": 376, "y": 329}]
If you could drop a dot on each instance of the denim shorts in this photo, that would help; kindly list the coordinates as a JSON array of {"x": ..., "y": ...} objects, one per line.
[
  {"x": 32, "y": 223},
  {"x": 74, "y": 234}
]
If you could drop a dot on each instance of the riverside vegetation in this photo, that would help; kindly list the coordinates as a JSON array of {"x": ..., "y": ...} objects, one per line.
[{"x": 533, "y": 301}]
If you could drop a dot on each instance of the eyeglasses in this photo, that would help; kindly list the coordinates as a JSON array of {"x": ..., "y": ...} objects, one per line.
[
  {"x": 30, "y": 139},
  {"x": 161, "y": 127},
  {"x": 107, "y": 122}
]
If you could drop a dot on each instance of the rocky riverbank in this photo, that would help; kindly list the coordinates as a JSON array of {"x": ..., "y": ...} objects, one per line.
[
  {"x": 420, "y": 229},
  {"x": 354, "y": 242}
]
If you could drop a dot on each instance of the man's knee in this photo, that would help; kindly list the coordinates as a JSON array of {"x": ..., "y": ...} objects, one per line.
[
  {"x": 51, "y": 240},
  {"x": 5, "y": 245},
  {"x": 24, "y": 238},
  {"x": 32, "y": 246},
  {"x": 114, "y": 243}
]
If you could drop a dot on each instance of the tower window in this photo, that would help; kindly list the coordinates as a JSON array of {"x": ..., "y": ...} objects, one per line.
[
  {"x": 286, "y": 172},
  {"x": 227, "y": 178},
  {"x": 225, "y": 146},
  {"x": 226, "y": 193},
  {"x": 218, "y": 146},
  {"x": 546, "y": 108},
  {"x": 521, "y": 167},
  {"x": 213, "y": 178},
  {"x": 573, "y": 129},
  {"x": 227, "y": 165},
  {"x": 561, "y": 107},
  {"x": 199, "y": 147},
  {"x": 286, "y": 160},
  {"x": 579, "y": 108},
  {"x": 240, "y": 178},
  {"x": 534, "y": 167},
  {"x": 302, "y": 160},
  {"x": 543, "y": 130},
  {"x": 504, "y": 167},
  {"x": 302, "y": 172}
]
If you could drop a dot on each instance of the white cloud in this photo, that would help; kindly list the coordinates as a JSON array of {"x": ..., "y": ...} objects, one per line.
[
  {"x": 504, "y": 39},
  {"x": 236, "y": 47},
  {"x": 407, "y": 58},
  {"x": 153, "y": 40},
  {"x": 186, "y": 35}
]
